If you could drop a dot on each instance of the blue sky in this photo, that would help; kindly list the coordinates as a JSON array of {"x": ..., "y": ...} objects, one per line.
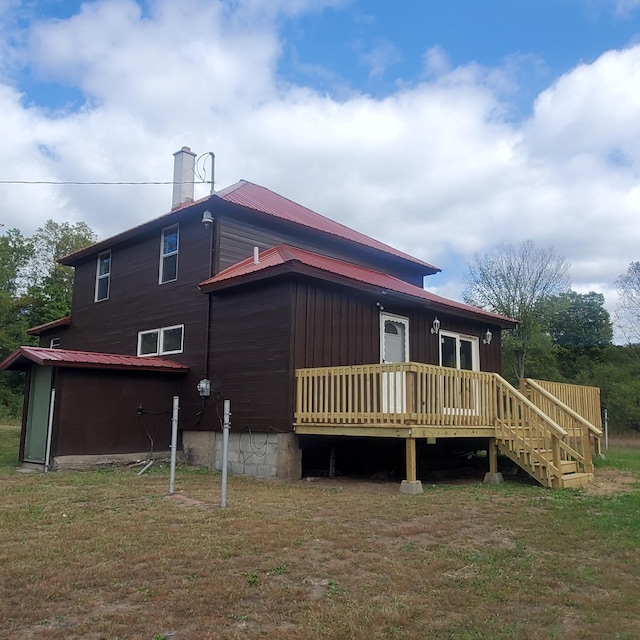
[
  {"x": 552, "y": 36},
  {"x": 442, "y": 127}
]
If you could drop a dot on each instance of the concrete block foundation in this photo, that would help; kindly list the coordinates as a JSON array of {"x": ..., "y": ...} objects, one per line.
[
  {"x": 199, "y": 448},
  {"x": 261, "y": 455}
]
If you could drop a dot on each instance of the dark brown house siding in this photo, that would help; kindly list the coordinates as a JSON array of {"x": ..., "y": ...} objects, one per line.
[
  {"x": 262, "y": 333},
  {"x": 336, "y": 326},
  {"x": 137, "y": 302},
  {"x": 238, "y": 235},
  {"x": 251, "y": 357},
  {"x": 99, "y": 411}
]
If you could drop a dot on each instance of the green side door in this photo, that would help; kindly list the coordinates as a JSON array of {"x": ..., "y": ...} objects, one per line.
[{"x": 35, "y": 444}]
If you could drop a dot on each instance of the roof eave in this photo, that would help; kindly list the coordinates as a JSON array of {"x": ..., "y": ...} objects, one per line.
[{"x": 297, "y": 267}]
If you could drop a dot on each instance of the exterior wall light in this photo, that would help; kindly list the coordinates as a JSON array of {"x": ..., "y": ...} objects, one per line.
[
  {"x": 487, "y": 337},
  {"x": 435, "y": 328},
  {"x": 207, "y": 218}
]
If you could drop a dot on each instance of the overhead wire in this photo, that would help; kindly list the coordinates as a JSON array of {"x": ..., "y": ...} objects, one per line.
[{"x": 97, "y": 182}]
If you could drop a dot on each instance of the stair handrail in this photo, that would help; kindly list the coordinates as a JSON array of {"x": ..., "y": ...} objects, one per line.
[
  {"x": 549, "y": 426},
  {"x": 574, "y": 414},
  {"x": 541, "y": 414}
]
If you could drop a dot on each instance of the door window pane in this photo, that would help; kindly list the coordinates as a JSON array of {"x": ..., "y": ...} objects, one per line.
[
  {"x": 466, "y": 354},
  {"x": 449, "y": 349}
]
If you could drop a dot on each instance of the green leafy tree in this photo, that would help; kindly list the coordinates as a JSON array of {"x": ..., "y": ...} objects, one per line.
[
  {"x": 580, "y": 328},
  {"x": 51, "y": 284},
  {"x": 15, "y": 253},
  {"x": 517, "y": 281},
  {"x": 34, "y": 289},
  {"x": 618, "y": 376}
]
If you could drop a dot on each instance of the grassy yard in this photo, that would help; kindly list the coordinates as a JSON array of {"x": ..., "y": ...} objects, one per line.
[{"x": 107, "y": 554}]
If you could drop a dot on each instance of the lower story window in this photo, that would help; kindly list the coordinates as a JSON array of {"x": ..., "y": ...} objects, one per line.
[{"x": 161, "y": 342}]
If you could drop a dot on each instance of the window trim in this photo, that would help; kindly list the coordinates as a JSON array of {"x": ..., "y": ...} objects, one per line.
[
  {"x": 102, "y": 276},
  {"x": 169, "y": 254},
  {"x": 160, "y": 351}
]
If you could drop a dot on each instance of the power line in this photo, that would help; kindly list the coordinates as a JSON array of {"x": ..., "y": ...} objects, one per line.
[{"x": 97, "y": 182}]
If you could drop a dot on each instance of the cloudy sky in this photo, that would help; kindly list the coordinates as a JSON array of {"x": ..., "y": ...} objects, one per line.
[{"x": 441, "y": 128}]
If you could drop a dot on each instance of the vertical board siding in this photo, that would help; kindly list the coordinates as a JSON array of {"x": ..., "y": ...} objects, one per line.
[
  {"x": 97, "y": 411},
  {"x": 137, "y": 302},
  {"x": 337, "y": 327},
  {"x": 250, "y": 357}
]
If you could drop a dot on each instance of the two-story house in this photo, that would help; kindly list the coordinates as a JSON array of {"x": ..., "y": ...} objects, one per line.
[{"x": 316, "y": 333}]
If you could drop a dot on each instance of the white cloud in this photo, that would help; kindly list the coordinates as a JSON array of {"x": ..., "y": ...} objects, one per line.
[{"x": 437, "y": 169}]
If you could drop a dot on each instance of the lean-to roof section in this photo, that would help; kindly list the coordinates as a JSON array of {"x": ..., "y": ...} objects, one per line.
[
  {"x": 286, "y": 259},
  {"x": 87, "y": 360}
]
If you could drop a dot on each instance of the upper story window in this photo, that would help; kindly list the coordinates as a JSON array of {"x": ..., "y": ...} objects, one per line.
[
  {"x": 103, "y": 276},
  {"x": 169, "y": 254},
  {"x": 161, "y": 342}
]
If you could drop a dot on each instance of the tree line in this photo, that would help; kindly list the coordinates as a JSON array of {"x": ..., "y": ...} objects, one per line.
[
  {"x": 562, "y": 335},
  {"x": 34, "y": 289}
]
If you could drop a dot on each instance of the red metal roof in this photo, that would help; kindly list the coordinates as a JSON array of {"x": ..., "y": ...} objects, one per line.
[
  {"x": 262, "y": 199},
  {"x": 283, "y": 254},
  {"x": 54, "y": 324},
  {"x": 87, "y": 359}
]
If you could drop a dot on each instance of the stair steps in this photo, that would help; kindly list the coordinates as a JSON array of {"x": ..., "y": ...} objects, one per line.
[
  {"x": 576, "y": 480},
  {"x": 571, "y": 477}
]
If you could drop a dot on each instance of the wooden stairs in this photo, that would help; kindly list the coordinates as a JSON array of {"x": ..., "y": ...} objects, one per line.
[{"x": 529, "y": 433}]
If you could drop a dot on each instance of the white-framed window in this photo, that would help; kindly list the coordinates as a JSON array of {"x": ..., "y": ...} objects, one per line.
[
  {"x": 169, "y": 243},
  {"x": 103, "y": 276},
  {"x": 161, "y": 342},
  {"x": 459, "y": 351},
  {"x": 54, "y": 343}
]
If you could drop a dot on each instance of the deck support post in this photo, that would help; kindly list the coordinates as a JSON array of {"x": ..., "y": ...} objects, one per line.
[
  {"x": 493, "y": 455},
  {"x": 493, "y": 476},
  {"x": 411, "y": 484}
]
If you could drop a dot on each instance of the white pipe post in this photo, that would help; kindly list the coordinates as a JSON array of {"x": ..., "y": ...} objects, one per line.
[
  {"x": 174, "y": 443},
  {"x": 226, "y": 425},
  {"x": 47, "y": 455}
]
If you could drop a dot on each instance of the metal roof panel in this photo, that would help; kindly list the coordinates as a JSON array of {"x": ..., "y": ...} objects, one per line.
[
  {"x": 88, "y": 359},
  {"x": 283, "y": 254}
]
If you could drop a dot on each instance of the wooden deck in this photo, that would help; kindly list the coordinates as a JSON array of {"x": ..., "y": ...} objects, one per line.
[{"x": 547, "y": 435}]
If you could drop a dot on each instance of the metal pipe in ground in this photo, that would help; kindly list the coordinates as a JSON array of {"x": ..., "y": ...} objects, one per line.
[
  {"x": 174, "y": 443},
  {"x": 226, "y": 425}
]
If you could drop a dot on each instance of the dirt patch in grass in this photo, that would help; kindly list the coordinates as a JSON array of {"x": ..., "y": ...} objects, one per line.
[{"x": 611, "y": 481}]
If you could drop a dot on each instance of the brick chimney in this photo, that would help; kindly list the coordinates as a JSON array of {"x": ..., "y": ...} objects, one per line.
[{"x": 183, "y": 177}]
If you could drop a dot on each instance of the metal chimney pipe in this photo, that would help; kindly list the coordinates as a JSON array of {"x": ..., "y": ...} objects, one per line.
[{"x": 184, "y": 162}]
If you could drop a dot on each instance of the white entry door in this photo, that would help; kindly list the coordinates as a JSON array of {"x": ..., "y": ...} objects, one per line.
[{"x": 394, "y": 348}]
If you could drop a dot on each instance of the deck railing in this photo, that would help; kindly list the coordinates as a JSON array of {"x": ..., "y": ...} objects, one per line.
[
  {"x": 575, "y": 408},
  {"x": 406, "y": 394},
  {"x": 394, "y": 394}
]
